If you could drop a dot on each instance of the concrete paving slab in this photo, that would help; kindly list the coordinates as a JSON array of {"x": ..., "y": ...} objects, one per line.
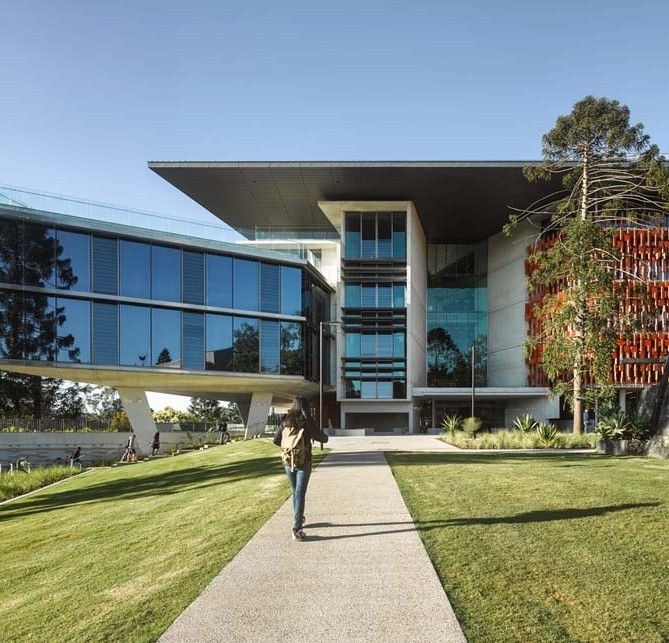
[{"x": 362, "y": 575}]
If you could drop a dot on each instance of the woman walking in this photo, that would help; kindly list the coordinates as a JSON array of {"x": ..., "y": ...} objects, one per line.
[{"x": 297, "y": 431}]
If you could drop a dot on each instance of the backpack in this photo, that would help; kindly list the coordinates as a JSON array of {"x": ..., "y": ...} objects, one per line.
[{"x": 293, "y": 448}]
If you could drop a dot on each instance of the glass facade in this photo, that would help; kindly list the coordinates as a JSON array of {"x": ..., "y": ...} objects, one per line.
[
  {"x": 457, "y": 315},
  {"x": 109, "y": 317},
  {"x": 374, "y": 317}
]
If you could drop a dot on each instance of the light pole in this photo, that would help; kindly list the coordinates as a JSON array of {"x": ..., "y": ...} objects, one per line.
[
  {"x": 320, "y": 368},
  {"x": 473, "y": 379}
]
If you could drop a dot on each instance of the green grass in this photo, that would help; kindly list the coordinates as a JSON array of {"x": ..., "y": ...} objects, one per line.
[
  {"x": 117, "y": 554},
  {"x": 19, "y": 482},
  {"x": 550, "y": 547}
]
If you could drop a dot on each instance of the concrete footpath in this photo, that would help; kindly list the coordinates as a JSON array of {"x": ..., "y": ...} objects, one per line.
[{"x": 362, "y": 575}]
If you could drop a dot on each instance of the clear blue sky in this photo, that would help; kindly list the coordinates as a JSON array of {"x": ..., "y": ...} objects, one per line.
[{"x": 91, "y": 90}]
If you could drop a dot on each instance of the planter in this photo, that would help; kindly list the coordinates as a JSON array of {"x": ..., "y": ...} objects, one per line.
[{"x": 621, "y": 447}]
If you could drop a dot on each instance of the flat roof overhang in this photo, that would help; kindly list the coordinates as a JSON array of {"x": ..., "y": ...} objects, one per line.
[
  {"x": 457, "y": 201},
  {"x": 483, "y": 393},
  {"x": 214, "y": 385}
]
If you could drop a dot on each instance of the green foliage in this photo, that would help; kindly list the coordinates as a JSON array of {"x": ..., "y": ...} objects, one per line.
[
  {"x": 19, "y": 482},
  {"x": 620, "y": 426},
  {"x": 206, "y": 410},
  {"x": 611, "y": 175},
  {"x": 518, "y": 440},
  {"x": 171, "y": 415},
  {"x": 471, "y": 426},
  {"x": 546, "y": 433},
  {"x": 451, "y": 423},
  {"x": 525, "y": 423},
  {"x": 120, "y": 422}
]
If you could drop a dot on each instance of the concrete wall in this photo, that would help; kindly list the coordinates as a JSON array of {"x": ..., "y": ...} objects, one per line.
[
  {"x": 540, "y": 408},
  {"x": 45, "y": 448},
  {"x": 416, "y": 308},
  {"x": 507, "y": 297}
]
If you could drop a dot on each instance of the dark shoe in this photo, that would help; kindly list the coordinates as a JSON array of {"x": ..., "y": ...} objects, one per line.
[
  {"x": 298, "y": 534},
  {"x": 303, "y": 522}
]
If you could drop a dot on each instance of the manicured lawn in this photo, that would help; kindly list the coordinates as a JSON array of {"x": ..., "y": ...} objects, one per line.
[
  {"x": 545, "y": 547},
  {"x": 116, "y": 554},
  {"x": 19, "y": 482}
]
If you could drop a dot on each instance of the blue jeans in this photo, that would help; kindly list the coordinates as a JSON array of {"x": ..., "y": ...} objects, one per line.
[{"x": 299, "y": 479}]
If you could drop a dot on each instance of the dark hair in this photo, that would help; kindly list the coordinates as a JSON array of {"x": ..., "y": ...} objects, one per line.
[{"x": 299, "y": 410}]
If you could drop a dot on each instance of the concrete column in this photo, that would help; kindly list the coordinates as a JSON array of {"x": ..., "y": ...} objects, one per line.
[
  {"x": 139, "y": 413},
  {"x": 255, "y": 414},
  {"x": 622, "y": 399}
]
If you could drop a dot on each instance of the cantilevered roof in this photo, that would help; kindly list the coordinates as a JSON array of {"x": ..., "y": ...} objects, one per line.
[{"x": 461, "y": 201}]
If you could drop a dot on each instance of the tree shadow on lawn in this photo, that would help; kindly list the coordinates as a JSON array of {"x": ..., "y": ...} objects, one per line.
[
  {"x": 141, "y": 485},
  {"x": 525, "y": 517},
  {"x": 502, "y": 457}
]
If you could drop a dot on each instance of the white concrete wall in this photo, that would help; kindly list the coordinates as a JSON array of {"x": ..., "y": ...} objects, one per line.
[
  {"x": 507, "y": 296},
  {"x": 416, "y": 307},
  {"x": 45, "y": 448},
  {"x": 540, "y": 408}
]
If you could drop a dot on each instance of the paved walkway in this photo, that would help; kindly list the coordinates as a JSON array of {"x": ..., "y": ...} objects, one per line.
[{"x": 363, "y": 575}]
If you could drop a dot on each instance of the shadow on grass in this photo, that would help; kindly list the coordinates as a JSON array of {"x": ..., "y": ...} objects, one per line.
[
  {"x": 428, "y": 525},
  {"x": 139, "y": 484},
  {"x": 502, "y": 457}
]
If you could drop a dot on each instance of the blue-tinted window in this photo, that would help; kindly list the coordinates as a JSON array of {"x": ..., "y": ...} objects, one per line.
[
  {"x": 105, "y": 333},
  {"x": 353, "y": 295},
  {"x": 291, "y": 291},
  {"x": 384, "y": 390},
  {"x": 75, "y": 248},
  {"x": 193, "y": 283},
  {"x": 368, "y": 390},
  {"x": 165, "y": 274},
  {"x": 352, "y": 235},
  {"x": 246, "y": 284},
  {"x": 384, "y": 345},
  {"x": 269, "y": 346},
  {"x": 399, "y": 341},
  {"x": 219, "y": 281},
  {"x": 270, "y": 288},
  {"x": 193, "y": 340},
  {"x": 105, "y": 265},
  {"x": 368, "y": 345},
  {"x": 166, "y": 338},
  {"x": 39, "y": 267},
  {"x": 246, "y": 345},
  {"x": 11, "y": 261},
  {"x": 291, "y": 348},
  {"x": 399, "y": 235},
  {"x": 30, "y": 329},
  {"x": 384, "y": 296},
  {"x": 135, "y": 266},
  {"x": 369, "y": 295},
  {"x": 218, "y": 348},
  {"x": 384, "y": 223},
  {"x": 352, "y": 388},
  {"x": 398, "y": 295},
  {"x": 74, "y": 330},
  {"x": 135, "y": 334},
  {"x": 353, "y": 345},
  {"x": 368, "y": 235}
]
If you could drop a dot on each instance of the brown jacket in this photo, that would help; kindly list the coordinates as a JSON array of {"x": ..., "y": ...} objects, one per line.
[{"x": 311, "y": 433}]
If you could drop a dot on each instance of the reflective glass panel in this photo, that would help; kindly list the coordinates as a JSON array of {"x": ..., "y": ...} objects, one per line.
[
  {"x": 368, "y": 345},
  {"x": 218, "y": 348},
  {"x": 74, "y": 259},
  {"x": 368, "y": 295},
  {"x": 368, "y": 390},
  {"x": 219, "y": 281},
  {"x": 352, "y": 388},
  {"x": 135, "y": 266},
  {"x": 385, "y": 249},
  {"x": 135, "y": 335},
  {"x": 165, "y": 274},
  {"x": 384, "y": 390},
  {"x": 193, "y": 340},
  {"x": 166, "y": 338},
  {"x": 352, "y": 235},
  {"x": 39, "y": 246},
  {"x": 291, "y": 291},
  {"x": 353, "y": 295},
  {"x": 246, "y": 345},
  {"x": 399, "y": 235},
  {"x": 352, "y": 344},
  {"x": 11, "y": 268},
  {"x": 245, "y": 294},
  {"x": 74, "y": 330},
  {"x": 399, "y": 340},
  {"x": 269, "y": 346},
  {"x": 384, "y": 345},
  {"x": 398, "y": 295},
  {"x": 291, "y": 348},
  {"x": 30, "y": 327},
  {"x": 368, "y": 235},
  {"x": 385, "y": 296}
]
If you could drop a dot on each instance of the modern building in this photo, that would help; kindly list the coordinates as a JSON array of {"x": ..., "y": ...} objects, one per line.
[{"x": 391, "y": 282}]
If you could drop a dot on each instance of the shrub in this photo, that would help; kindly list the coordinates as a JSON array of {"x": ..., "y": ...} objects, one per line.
[
  {"x": 525, "y": 423},
  {"x": 471, "y": 426},
  {"x": 613, "y": 427},
  {"x": 451, "y": 423},
  {"x": 546, "y": 433}
]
